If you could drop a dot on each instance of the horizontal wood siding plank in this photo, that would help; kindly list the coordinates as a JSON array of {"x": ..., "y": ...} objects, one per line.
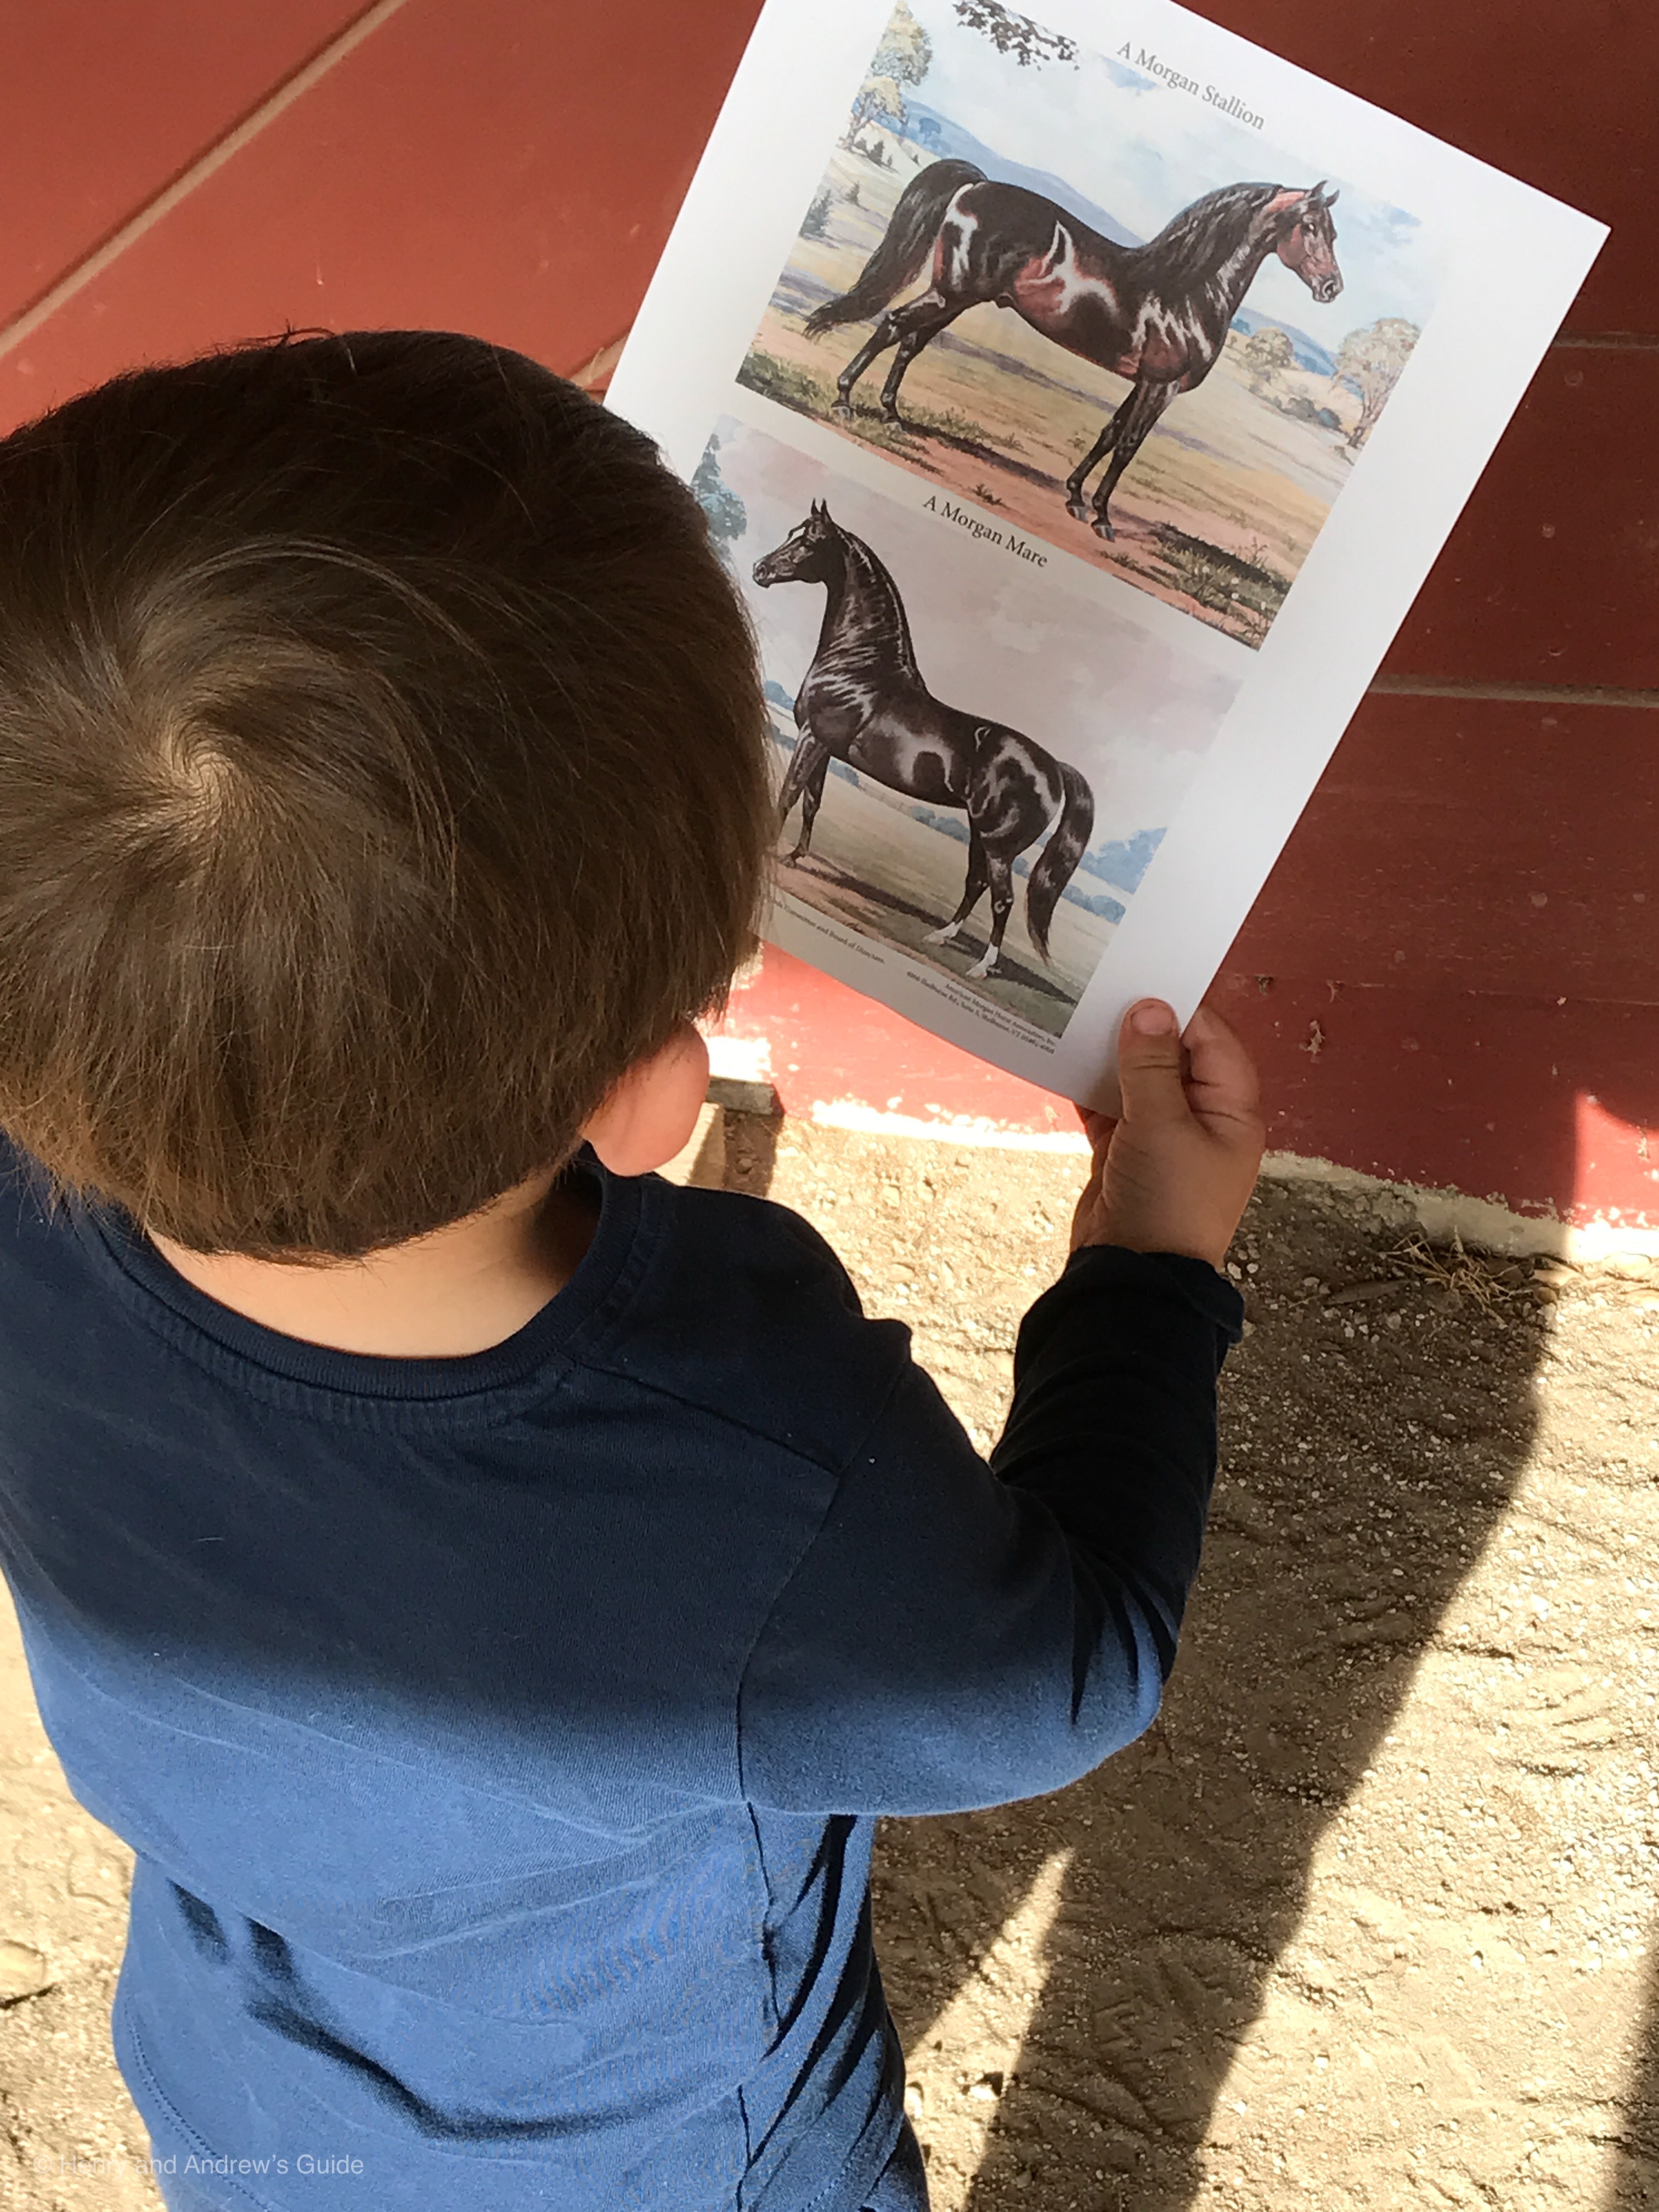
[
  {"x": 1475, "y": 845},
  {"x": 495, "y": 165},
  {"x": 103, "y": 105},
  {"x": 1552, "y": 574},
  {"x": 1466, "y": 1090},
  {"x": 1480, "y": 1091}
]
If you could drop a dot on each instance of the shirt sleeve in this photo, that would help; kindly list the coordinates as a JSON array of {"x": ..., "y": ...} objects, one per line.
[{"x": 960, "y": 1634}]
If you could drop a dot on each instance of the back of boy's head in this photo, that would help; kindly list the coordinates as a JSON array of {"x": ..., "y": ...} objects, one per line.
[{"x": 382, "y": 772}]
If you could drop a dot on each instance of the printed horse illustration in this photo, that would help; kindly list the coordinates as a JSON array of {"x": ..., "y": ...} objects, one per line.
[
  {"x": 1158, "y": 314},
  {"x": 863, "y": 701}
]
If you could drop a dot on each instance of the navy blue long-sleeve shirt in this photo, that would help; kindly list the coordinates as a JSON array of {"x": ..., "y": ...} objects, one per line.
[{"x": 500, "y": 1737}]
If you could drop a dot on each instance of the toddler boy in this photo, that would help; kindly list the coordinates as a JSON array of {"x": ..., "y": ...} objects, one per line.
[{"x": 492, "y": 1590}]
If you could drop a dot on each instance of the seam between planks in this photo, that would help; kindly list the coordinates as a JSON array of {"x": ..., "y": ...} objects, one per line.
[
  {"x": 1525, "y": 694},
  {"x": 196, "y": 173},
  {"x": 1410, "y": 984}
]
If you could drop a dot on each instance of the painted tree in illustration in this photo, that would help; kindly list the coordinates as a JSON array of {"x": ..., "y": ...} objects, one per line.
[
  {"x": 903, "y": 56},
  {"x": 880, "y": 100},
  {"x": 727, "y": 516},
  {"x": 1267, "y": 352},
  {"x": 1370, "y": 361},
  {"x": 1028, "y": 42}
]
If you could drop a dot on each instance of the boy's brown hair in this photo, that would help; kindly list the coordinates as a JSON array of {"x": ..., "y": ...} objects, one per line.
[{"x": 382, "y": 771}]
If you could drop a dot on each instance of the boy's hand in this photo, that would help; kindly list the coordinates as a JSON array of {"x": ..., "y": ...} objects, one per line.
[{"x": 1174, "y": 1172}]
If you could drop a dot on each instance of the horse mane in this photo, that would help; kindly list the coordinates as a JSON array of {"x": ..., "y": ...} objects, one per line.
[
  {"x": 1192, "y": 243},
  {"x": 878, "y": 576}
]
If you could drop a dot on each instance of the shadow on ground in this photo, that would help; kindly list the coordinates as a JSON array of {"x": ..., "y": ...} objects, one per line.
[{"x": 1373, "y": 1429}]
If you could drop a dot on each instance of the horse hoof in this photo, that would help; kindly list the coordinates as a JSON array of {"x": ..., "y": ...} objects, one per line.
[
  {"x": 1103, "y": 528},
  {"x": 842, "y": 410},
  {"x": 1077, "y": 510},
  {"x": 939, "y": 936},
  {"x": 981, "y": 967}
]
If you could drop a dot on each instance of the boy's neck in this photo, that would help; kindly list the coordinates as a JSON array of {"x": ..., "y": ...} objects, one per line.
[{"x": 463, "y": 1289}]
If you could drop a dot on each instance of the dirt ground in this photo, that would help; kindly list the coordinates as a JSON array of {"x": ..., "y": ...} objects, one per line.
[{"x": 1364, "y": 1922}]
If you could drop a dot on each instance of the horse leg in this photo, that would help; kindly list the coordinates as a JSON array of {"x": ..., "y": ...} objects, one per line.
[
  {"x": 804, "y": 779},
  {"x": 1137, "y": 415},
  {"x": 802, "y": 761},
  {"x": 881, "y": 337},
  {"x": 972, "y": 891},
  {"x": 1074, "y": 482},
  {"x": 894, "y": 329},
  {"x": 999, "y": 866},
  {"x": 922, "y": 330},
  {"x": 811, "y": 798}
]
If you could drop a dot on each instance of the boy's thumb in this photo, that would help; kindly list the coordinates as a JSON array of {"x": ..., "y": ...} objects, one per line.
[{"x": 1149, "y": 1063}]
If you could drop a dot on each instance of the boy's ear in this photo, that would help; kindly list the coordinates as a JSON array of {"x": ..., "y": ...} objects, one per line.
[{"x": 649, "y": 1116}]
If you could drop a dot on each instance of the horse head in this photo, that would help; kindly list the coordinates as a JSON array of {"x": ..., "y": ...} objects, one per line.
[
  {"x": 806, "y": 556},
  {"x": 1307, "y": 242}
]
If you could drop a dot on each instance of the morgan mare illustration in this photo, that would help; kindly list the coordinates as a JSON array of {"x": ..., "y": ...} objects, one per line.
[
  {"x": 1158, "y": 314},
  {"x": 864, "y": 701}
]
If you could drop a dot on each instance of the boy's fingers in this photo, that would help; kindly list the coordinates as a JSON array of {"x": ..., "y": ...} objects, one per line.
[
  {"x": 1149, "y": 1063},
  {"x": 1221, "y": 1071}
]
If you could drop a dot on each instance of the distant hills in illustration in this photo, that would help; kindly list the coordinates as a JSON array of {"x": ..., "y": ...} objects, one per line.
[
  {"x": 1310, "y": 354},
  {"x": 936, "y": 136}
]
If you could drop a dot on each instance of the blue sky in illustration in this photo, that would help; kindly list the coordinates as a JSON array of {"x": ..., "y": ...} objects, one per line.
[{"x": 1143, "y": 151}]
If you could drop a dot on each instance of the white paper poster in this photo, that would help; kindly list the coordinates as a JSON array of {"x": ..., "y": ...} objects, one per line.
[{"x": 1080, "y": 403}]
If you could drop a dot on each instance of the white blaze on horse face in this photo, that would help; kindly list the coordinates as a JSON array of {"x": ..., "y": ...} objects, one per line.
[{"x": 1049, "y": 290}]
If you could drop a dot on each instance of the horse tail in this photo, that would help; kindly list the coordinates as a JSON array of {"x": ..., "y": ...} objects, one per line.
[
  {"x": 912, "y": 229},
  {"x": 1057, "y": 863}
]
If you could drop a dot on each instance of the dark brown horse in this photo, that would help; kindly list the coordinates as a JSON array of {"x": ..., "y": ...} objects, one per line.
[
  {"x": 863, "y": 701},
  {"x": 1157, "y": 313}
]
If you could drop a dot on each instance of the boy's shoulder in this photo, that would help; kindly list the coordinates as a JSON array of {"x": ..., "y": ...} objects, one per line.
[
  {"x": 731, "y": 1309},
  {"x": 738, "y": 1307}
]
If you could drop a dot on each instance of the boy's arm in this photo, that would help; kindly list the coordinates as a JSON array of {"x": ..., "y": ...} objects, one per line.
[
  {"x": 1113, "y": 1428},
  {"x": 1169, "y": 1180},
  {"x": 960, "y": 1634}
]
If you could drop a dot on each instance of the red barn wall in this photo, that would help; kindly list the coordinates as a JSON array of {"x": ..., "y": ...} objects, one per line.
[{"x": 1452, "y": 977}]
